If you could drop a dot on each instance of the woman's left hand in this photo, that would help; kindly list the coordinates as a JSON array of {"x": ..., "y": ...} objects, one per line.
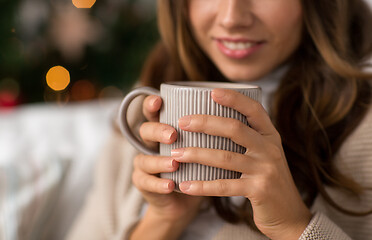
[{"x": 278, "y": 209}]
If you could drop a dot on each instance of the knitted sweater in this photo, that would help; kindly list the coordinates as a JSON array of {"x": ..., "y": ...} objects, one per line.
[{"x": 114, "y": 204}]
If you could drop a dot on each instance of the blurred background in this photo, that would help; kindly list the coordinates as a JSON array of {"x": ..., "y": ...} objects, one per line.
[
  {"x": 98, "y": 45},
  {"x": 64, "y": 66},
  {"x": 89, "y": 49}
]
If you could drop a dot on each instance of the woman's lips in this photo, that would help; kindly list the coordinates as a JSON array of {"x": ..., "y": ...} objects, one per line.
[{"x": 238, "y": 48}]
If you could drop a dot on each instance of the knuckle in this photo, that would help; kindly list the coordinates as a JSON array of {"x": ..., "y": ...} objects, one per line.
[
  {"x": 160, "y": 164},
  {"x": 271, "y": 174},
  {"x": 160, "y": 187},
  {"x": 190, "y": 152},
  {"x": 229, "y": 99},
  {"x": 260, "y": 188},
  {"x": 235, "y": 99},
  {"x": 151, "y": 131},
  {"x": 155, "y": 131},
  {"x": 227, "y": 157},
  {"x": 222, "y": 187},
  {"x": 256, "y": 106},
  {"x": 248, "y": 151},
  {"x": 262, "y": 185},
  {"x": 143, "y": 131},
  {"x": 203, "y": 122},
  {"x": 201, "y": 188},
  {"x": 276, "y": 152},
  {"x": 236, "y": 126},
  {"x": 145, "y": 183}
]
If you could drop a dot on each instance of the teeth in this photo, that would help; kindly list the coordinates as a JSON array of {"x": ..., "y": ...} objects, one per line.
[{"x": 237, "y": 45}]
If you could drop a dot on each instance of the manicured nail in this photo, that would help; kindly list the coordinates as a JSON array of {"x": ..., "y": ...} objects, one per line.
[
  {"x": 154, "y": 101},
  {"x": 218, "y": 93},
  {"x": 185, "y": 186},
  {"x": 168, "y": 134},
  {"x": 167, "y": 185},
  {"x": 177, "y": 152},
  {"x": 173, "y": 163},
  {"x": 184, "y": 121}
]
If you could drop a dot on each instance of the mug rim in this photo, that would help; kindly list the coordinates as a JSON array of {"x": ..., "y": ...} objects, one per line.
[{"x": 213, "y": 85}]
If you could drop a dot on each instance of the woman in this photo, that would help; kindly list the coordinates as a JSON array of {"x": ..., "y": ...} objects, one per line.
[{"x": 307, "y": 169}]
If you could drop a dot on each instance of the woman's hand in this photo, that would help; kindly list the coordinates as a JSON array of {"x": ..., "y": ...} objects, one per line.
[
  {"x": 169, "y": 207},
  {"x": 266, "y": 181}
]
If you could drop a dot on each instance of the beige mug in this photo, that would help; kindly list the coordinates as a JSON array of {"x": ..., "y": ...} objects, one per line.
[{"x": 189, "y": 98}]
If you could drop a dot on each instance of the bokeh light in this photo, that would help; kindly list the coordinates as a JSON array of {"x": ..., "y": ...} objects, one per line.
[
  {"x": 58, "y": 78},
  {"x": 110, "y": 92},
  {"x": 83, "y": 90},
  {"x": 80, "y": 35},
  {"x": 83, "y": 3},
  {"x": 7, "y": 99},
  {"x": 9, "y": 93}
]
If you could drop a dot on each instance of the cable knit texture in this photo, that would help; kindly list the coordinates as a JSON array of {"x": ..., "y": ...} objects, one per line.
[
  {"x": 113, "y": 206},
  {"x": 321, "y": 228}
]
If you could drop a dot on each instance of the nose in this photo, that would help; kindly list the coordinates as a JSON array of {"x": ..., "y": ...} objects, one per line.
[{"x": 235, "y": 13}]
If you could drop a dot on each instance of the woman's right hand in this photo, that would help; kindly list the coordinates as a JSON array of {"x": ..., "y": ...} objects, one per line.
[{"x": 163, "y": 202}]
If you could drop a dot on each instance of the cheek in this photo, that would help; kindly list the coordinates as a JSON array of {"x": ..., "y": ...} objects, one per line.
[
  {"x": 290, "y": 30},
  {"x": 284, "y": 22},
  {"x": 202, "y": 15}
]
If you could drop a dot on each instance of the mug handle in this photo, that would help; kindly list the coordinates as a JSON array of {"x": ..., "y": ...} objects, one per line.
[{"x": 123, "y": 120}]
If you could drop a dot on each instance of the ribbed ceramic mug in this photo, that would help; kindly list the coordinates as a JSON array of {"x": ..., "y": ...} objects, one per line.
[{"x": 189, "y": 98}]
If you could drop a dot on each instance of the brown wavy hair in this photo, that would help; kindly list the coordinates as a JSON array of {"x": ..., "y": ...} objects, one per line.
[{"x": 320, "y": 101}]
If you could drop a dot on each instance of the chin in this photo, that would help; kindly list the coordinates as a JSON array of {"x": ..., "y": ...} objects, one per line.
[
  {"x": 243, "y": 76},
  {"x": 246, "y": 72}
]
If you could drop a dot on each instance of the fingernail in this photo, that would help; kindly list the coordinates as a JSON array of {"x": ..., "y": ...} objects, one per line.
[
  {"x": 185, "y": 186},
  {"x": 167, "y": 186},
  {"x": 154, "y": 101},
  {"x": 177, "y": 152},
  {"x": 168, "y": 134},
  {"x": 173, "y": 164},
  {"x": 219, "y": 93},
  {"x": 184, "y": 121}
]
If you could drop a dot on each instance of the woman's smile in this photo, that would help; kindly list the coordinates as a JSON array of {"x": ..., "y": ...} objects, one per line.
[
  {"x": 246, "y": 39},
  {"x": 238, "y": 48}
]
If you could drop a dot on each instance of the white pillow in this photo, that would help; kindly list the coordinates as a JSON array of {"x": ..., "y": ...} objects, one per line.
[{"x": 47, "y": 153}]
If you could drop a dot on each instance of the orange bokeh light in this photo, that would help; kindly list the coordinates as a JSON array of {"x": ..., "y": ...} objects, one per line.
[
  {"x": 58, "y": 78},
  {"x": 83, "y": 3}
]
